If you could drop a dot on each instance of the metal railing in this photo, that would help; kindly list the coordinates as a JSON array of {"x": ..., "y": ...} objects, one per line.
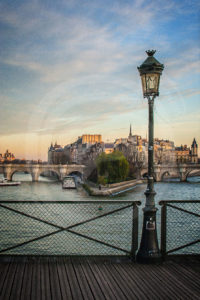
[
  {"x": 180, "y": 227},
  {"x": 69, "y": 228},
  {"x": 93, "y": 228}
]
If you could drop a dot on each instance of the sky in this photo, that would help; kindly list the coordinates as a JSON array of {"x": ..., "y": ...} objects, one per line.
[{"x": 69, "y": 67}]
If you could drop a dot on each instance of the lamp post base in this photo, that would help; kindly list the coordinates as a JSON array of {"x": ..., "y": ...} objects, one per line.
[
  {"x": 148, "y": 257},
  {"x": 149, "y": 251}
]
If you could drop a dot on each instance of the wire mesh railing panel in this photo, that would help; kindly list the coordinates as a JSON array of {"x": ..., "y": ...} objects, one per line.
[
  {"x": 182, "y": 227},
  {"x": 61, "y": 228},
  {"x": 99, "y": 229}
]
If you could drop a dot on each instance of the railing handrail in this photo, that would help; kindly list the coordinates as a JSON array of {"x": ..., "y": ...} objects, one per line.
[
  {"x": 177, "y": 201},
  {"x": 71, "y": 202}
]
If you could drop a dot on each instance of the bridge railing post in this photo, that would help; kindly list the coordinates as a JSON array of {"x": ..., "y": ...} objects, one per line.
[
  {"x": 134, "y": 245},
  {"x": 163, "y": 228}
]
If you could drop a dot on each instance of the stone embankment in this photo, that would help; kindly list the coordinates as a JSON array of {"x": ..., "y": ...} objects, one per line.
[{"x": 113, "y": 189}]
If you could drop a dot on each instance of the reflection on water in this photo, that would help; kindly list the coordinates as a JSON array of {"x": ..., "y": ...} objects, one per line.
[
  {"x": 21, "y": 177},
  {"x": 194, "y": 179}
]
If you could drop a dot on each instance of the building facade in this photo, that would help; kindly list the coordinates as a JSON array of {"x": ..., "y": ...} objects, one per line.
[
  {"x": 78, "y": 152},
  {"x": 108, "y": 148},
  {"x": 7, "y": 156},
  {"x": 164, "y": 152},
  {"x": 185, "y": 154},
  {"x": 91, "y": 138},
  {"x": 56, "y": 154},
  {"x": 135, "y": 148}
]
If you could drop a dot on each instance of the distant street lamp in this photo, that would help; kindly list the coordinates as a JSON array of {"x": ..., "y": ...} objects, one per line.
[{"x": 150, "y": 72}]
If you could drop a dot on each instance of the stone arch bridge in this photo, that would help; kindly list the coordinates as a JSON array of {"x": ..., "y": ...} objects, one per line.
[
  {"x": 178, "y": 170},
  {"x": 37, "y": 169}
]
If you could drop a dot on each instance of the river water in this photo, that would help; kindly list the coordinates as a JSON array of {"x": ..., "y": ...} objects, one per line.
[
  {"x": 115, "y": 229},
  {"x": 47, "y": 189}
]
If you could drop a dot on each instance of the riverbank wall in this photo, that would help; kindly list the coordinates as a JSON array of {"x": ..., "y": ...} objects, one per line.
[{"x": 112, "y": 189}]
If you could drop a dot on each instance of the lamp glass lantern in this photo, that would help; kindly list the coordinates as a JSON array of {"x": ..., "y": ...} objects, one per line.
[{"x": 150, "y": 72}]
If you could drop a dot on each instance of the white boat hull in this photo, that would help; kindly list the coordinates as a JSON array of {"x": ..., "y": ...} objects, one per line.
[
  {"x": 14, "y": 183},
  {"x": 69, "y": 183}
]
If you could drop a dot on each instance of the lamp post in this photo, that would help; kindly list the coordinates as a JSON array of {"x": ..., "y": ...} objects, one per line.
[{"x": 150, "y": 72}]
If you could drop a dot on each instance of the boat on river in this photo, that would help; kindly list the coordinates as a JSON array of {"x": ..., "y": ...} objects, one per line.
[
  {"x": 5, "y": 182},
  {"x": 69, "y": 182}
]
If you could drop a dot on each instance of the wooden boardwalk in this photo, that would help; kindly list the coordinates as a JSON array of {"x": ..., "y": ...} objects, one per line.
[{"x": 97, "y": 278}]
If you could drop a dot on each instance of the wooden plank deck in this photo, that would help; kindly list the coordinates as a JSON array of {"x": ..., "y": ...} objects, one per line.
[{"x": 97, "y": 278}]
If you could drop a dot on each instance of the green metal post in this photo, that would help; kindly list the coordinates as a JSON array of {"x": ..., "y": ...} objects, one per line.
[{"x": 149, "y": 251}]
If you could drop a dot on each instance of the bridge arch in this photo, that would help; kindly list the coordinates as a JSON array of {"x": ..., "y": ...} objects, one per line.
[
  {"x": 190, "y": 172},
  {"x": 20, "y": 170},
  {"x": 53, "y": 171},
  {"x": 164, "y": 174},
  {"x": 76, "y": 173},
  {"x": 144, "y": 173}
]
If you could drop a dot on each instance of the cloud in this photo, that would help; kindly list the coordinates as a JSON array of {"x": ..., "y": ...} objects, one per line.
[
  {"x": 82, "y": 61},
  {"x": 187, "y": 62},
  {"x": 175, "y": 95},
  {"x": 59, "y": 47},
  {"x": 82, "y": 115}
]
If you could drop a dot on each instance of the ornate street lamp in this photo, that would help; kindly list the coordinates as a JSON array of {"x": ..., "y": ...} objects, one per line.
[{"x": 150, "y": 72}]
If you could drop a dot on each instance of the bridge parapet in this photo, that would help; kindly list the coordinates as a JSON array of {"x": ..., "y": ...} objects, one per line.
[
  {"x": 178, "y": 170},
  {"x": 36, "y": 169}
]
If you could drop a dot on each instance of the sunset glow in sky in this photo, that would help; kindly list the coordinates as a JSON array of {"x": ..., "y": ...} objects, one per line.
[{"x": 69, "y": 68}]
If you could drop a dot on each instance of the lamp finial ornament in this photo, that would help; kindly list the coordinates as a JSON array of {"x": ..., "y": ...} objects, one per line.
[{"x": 150, "y": 52}]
